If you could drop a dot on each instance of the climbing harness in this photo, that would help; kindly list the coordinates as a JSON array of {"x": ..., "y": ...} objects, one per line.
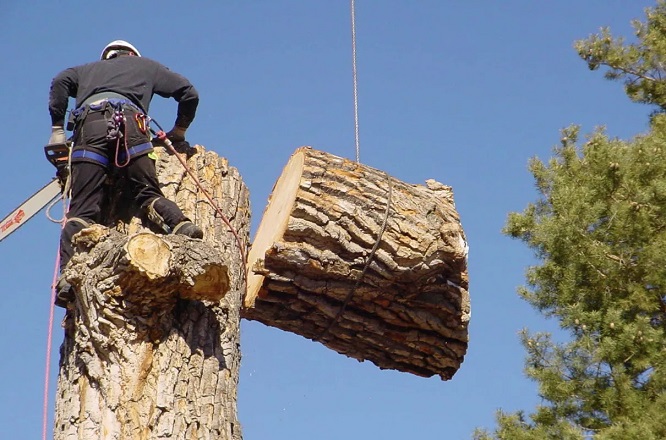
[{"x": 117, "y": 128}]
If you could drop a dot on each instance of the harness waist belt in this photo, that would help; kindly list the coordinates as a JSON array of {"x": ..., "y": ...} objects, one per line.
[
  {"x": 97, "y": 101},
  {"x": 102, "y": 160},
  {"x": 137, "y": 149},
  {"x": 103, "y": 96},
  {"x": 87, "y": 154}
]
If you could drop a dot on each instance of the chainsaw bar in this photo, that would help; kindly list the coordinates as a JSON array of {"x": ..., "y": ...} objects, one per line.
[{"x": 29, "y": 208}]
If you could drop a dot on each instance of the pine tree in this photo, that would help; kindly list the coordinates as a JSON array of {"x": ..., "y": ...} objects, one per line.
[
  {"x": 598, "y": 230},
  {"x": 640, "y": 64}
]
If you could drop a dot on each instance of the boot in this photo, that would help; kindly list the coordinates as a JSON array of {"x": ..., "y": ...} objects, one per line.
[
  {"x": 188, "y": 228},
  {"x": 64, "y": 293}
]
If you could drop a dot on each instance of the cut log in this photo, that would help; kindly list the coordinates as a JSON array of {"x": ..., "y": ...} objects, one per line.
[{"x": 371, "y": 267}]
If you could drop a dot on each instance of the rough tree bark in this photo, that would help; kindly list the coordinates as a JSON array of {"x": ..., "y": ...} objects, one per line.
[
  {"x": 369, "y": 266},
  {"x": 151, "y": 346}
]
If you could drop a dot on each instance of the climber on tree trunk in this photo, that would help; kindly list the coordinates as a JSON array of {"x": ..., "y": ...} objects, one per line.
[{"x": 110, "y": 134}]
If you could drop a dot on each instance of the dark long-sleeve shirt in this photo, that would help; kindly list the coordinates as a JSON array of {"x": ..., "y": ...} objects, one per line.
[{"x": 137, "y": 78}]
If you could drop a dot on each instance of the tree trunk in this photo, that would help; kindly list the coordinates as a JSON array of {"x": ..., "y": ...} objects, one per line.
[
  {"x": 151, "y": 346},
  {"x": 369, "y": 266}
]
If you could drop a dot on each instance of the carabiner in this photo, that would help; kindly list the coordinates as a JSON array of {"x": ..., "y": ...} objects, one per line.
[{"x": 141, "y": 122}]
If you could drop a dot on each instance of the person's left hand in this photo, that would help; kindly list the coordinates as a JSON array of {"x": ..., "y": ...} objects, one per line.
[{"x": 176, "y": 134}]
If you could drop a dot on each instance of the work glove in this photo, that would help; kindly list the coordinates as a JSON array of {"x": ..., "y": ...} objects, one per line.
[
  {"x": 177, "y": 134},
  {"x": 57, "y": 135},
  {"x": 177, "y": 138}
]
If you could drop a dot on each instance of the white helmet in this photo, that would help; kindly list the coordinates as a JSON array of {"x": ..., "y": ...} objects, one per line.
[{"x": 112, "y": 49}]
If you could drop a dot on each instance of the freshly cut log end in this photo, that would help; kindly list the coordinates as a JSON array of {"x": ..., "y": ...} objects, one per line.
[
  {"x": 210, "y": 284},
  {"x": 150, "y": 254},
  {"x": 372, "y": 267},
  {"x": 278, "y": 211}
]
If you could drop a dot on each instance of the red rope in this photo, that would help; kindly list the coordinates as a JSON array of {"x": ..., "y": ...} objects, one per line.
[
  {"x": 162, "y": 136},
  {"x": 49, "y": 340},
  {"x": 49, "y": 337}
]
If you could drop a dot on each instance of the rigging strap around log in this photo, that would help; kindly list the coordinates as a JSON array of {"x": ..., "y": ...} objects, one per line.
[{"x": 367, "y": 262}]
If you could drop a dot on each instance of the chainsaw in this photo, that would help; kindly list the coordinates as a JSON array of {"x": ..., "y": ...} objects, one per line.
[{"x": 58, "y": 155}]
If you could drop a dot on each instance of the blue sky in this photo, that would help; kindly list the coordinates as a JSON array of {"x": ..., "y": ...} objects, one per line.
[{"x": 461, "y": 92}]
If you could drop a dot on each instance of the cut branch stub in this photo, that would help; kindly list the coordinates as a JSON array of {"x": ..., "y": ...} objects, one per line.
[
  {"x": 171, "y": 264},
  {"x": 369, "y": 266},
  {"x": 149, "y": 254}
]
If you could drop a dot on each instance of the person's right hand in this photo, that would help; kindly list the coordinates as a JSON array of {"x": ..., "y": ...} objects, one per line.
[{"x": 57, "y": 135}]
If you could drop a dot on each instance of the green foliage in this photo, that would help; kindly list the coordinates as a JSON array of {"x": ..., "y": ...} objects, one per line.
[
  {"x": 641, "y": 64},
  {"x": 598, "y": 229}
]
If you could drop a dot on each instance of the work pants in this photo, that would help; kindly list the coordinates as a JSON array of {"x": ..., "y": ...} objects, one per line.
[{"x": 89, "y": 192}]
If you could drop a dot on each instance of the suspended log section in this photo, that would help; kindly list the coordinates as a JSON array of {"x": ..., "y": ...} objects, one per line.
[{"x": 371, "y": 267}]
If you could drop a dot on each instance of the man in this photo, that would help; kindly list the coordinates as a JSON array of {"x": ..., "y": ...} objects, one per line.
[{"x": 110, "y": 135}]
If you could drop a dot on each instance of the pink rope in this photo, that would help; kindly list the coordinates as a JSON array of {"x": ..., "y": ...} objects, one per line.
[
  {"x": 49, "y": 341},
  {"x": 49, "y": 337}
]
